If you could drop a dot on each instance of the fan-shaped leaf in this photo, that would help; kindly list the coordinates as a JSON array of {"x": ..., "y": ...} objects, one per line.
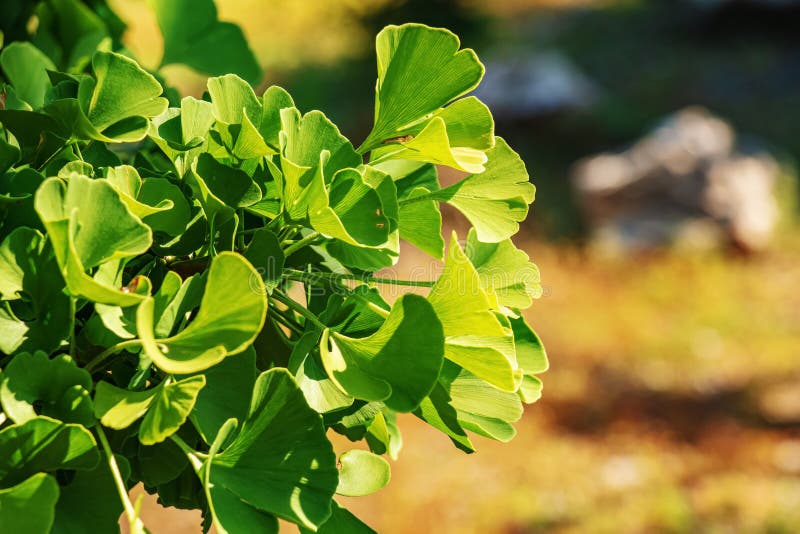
[
  {"x": 193, "y": 36},
  {"x": 504, "y": 271},
  {"x": 90, "y": 225},
  {"x": 30, "y": 505},
  {"x": 42, "y": 444},
  {"x": 280, "y": 462},
  {"x": 231, "y": 314},
  {"x": 475, "y": 338},
  {"x": 379, "y": 367},
  {"x": 57, "y": 388},
  {"x": 420, "y": 69},
  {"x": 28, "y": 269},
  {"x": 362, "y": 473}
]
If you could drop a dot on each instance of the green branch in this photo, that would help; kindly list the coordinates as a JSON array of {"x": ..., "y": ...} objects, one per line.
[
  {"x": 133, "y": 519},
  {"x": 283, "y": 298},
  {"x": 110, "y": 351},
  {"x": 297, "y": 245},
  {"x": 302, "y": 276}
]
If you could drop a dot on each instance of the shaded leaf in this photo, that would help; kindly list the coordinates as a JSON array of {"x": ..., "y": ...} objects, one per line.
[
  {"x": 30, "y": 279},
  {"x": 29, "y": 506},
  {"x": 57, "y": 388},
  {"x": 341, "y": 521},
  {"x": 226, "y": 394},
  {"x": 193, "y": 36},
  {"x": 42, "y": 445},
  {"x": 380, "y": 367},
  {"x": 280, "y": 462}
]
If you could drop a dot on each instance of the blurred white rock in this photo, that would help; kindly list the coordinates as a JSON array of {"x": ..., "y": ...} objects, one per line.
[{"x": 683, "y": 184}]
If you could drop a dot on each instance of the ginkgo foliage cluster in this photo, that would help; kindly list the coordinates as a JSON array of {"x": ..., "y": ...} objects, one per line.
[{"x": 189, "y": 289}]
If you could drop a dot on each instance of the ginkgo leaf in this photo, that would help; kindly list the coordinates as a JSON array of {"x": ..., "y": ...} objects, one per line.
[
  {"x": 421, "y": 224},
  {"x": 420, "y": 69},
  {"x": 228, "y": 386},
  {"x": 379, "y": 367},
  {"x": 115, "y": 106},
  {"x": 34, "y": 384},
  {"x": 30, "y": 505},
  {"x": 280, "y": 462},
  {"x": 238, "y": 112},
  {"x": 169, "y": 409},
  {"x": 164, "y": 408},
  {"x": 362, "y": 473},
  {"x": 28, "y": 268},
  {"x": 480, "y": 407},
  {"x": 311, "y": 143},
  {"x": 432, "y": 145},
  {"x": 504, "y": 271},
  {"x": 25, "y": 67},
  {"x": 181, "y": 133},
  {"x": 532, "y": 359},
  {"x": 496, "y": 200},
  {"x": 474, "y": 338},
  {"x": 230, "y": 317},
  {"x": 195, "y": 37},
  {"x": 43, "y": 444},
  {"x": 456, "y": 136},
  {"x": 340, "y": 521},
  {"x": 221, "y": 189},
  {"x": 89, "y": 225},
  {"x": 126, "y": 180}
]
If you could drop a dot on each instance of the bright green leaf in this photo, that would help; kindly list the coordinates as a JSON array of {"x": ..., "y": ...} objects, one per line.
[
  {"x": 420, "y": 69},
  {"x": 504, "y": 271},
  {"x": 169, "y": 409},
  {"x": 90, "y": 225},
  {"x": 475, "y": 338},
  {"x": 231, "y": 314},
  {"x": 496, "y": 200},
  {"x": 362, "y": 473}
]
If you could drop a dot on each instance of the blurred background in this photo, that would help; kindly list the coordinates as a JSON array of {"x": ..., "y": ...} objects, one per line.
[{"x": 662, "y": 137}]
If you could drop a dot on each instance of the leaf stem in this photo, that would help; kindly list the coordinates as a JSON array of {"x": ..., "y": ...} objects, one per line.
[
  {"x": 119, "y": 347},
  {"x": 291, "y": 303},
  {"x": 72, "y": 311},
  {"x": 130, "y": 511},
  {"x": 297, "y": 245},
  {"x": 191, "y": 454},
  {"x": 302, "y": 276},
  {"x": 52, "y": 156},
  {"x": 369, "y": 304},
  {"x": 77, "y": 150},
  {"x": 281, "y": 317}
]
